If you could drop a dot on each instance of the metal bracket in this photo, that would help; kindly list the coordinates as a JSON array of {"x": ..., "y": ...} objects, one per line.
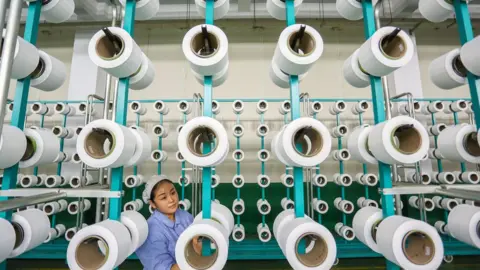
[{"x": 101, "y": 192}]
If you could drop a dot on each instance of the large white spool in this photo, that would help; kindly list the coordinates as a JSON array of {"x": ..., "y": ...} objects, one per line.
[
  {"x": 350, "y": 9},
  {"x": 143, "y": 146},
  {"x": 435, "y": 10},
  {"x": 401, "y": 140},
  {"x": 42, "y": 148},
  {"x": 31, "y": 229},
  {"x": 25, "y": 59},
  {"x": 220, "y": 8},
  {"x": 8, "y": 239},
  {"x": 379, "y": 61},
  {"x": 447, "y": 71},
  {"x": 12, "y": 146},
  {"x": 191, "y": 138},
  {"x": 145, "y": 9},
  {"x": 188, "y": 258},
  {"x": 206, "y": 63},
  {"x": 105, "y": 144},
  {"x": 352, "y": 72},
  {"x": 318, "y": 135},
  {"x": 364, "y": 222},
  {"x": 50, "y": 74},
  {"x": 309, "y": 50},
  {"x": 145, "y": 75},
  {"x": 357, "y": 145},
  {"x": 217, "y": 79},
  {"x": 324, "y": 250},
  {"x": 137, "y": 226},
  {"x": 280, "y": 78},
  {"x": 126, "y": 63},
  {"x": 469, "y": 55},
  {"x": 458, "y": 143},
  {"x": 278, "y": 10},
  {"x": 424, "y": 250},
  {"x": 222, "y": 215},
  {"x": 464, "y": 224},
  {"x": 83, "y": 250},
  {"x": 58, "y": 11}
]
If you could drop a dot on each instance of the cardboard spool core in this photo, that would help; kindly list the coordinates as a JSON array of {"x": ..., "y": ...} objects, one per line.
[
  {"x": 349, "y": 234},
  {"x": 183, "y": 105},
  {"x": 19, "y": 234},
  {"x": 286, "y": 106},
  {"x": 395, "y": 49},
  {"x": 88, "y": 254},
  {"x": 30, "y": 150},
  {"x": 158, "y": 105},
  {"x": 418, "y": 247},
  {"x": 371, "y": 179},
  {"x": 407, "y": 139},
  {"x": 322, "y": 206},
  {"x": 48, "y": 209},
  {"x": 158, "y": 130},
  {"x": 130, "y": 181},
  {"x": 197, "y": 261},
  {"x": 70, "y": 233},
  {"x": 470, "y": 144},
  {"x": 317, "y": 255},
  {"x": 346, "y": 180},
  {"x": 59, "y": 107},
  {"x": 425, "y": 178},
  {"x": 238, "y": 105},
  {"x": 305, "y": 46},
  {"x": 135, "y": 106},
  {"x": 73, "y": 207},
  {"x": 341, "y": 105},
  {"x": 50, "y": 181},
  {"x": 305, "y": 135},
  {"x": 103, "y": 48},
  {"x": 474, "y": 177},
  {"x": 95, "y": 143},
  {"x": 26, "y": 181},
  {"x": 238, "y": 234},
  {"x": 348, "y": 207},
  {"x": 364, "y": 105},
  {"x": 198, "y": 45},
  {"x": 56, "y": 130},
  {"x": 458, "y": 67},
  {"x": 317, "y": 106},
  {"x": 198, "y": 137},
  {"x": 39, "y": 70}
]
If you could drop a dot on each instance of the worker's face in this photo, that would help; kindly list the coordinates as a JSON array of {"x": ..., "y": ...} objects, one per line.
[{"x": 166, "y": 198}]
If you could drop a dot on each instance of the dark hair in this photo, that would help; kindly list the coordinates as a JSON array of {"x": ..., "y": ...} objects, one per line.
[{"x": 156, "y": 186}]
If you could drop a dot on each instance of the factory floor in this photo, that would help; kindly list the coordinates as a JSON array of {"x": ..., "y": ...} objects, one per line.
[{"x": 459, "y": 262}]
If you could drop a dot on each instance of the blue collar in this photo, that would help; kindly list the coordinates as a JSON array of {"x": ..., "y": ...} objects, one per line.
[{"x": 165, "y": 220}]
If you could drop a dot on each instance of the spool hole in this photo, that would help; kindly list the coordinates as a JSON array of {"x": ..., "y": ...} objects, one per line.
[
  {"x": 238, "y": 105},
  {"x": 407, "y": 139},
  {"x": 262, "y": 105},
  {"x": 349, "y": 234},
  {"x": 286, "y": 106},
  {"x": 180, "y": 156},
  {"x": 39, "y": 70},
  {"x": 394, "y": 48},
  {"x": 345, "y": 154},
  {"x": 343, "y": 130},
  {"x": 106, "y": 51},
  {"x": 19, "y": 234},
  {"x": 95, "y": 143},
  {"x": 238, "y": 130},
  {"x": 265, "y": 235},
  {"x": 50, "y": 181},
  {"x": 130, "y": 207},
  {"x": 238, "y": 155},
  {"x": 238, "y": 234},
  {"x": 290, "y": 205},
  {"x": 135, "y": 106},
  {"x": 317, "y": 106},
  {"x": 158, "y": 105},
  {"x": 82, "y": 107},
  {"x": 263, "y": 130},
  {"x": 341, "y": 105},
  {"x": 264, "y": 208},
  {"x": 195, "y": 259},
  {"x": 346, "y": 180},
  {"x": 474, "y": 177},
  {"x": 10, "y": 106},
  {"x": 88, "y": 254},
  {"x": 158, "y": 130},
  {"x": 238, "y": 208},
  {"x": 458, "y": 67},
  {"x": 471, "y": 144},
  {"x": 26, "y": 181},
  {"x": 441, "y": 127},
  {"x": 264, "y": 181},
  {"x": 73, "y": 207},
  {"x": 452, "y": 204},
  {"x": 428, "y": 204},
  {"x": 76, "y": 157},
  {"x": 323, "y": 207},
  {"x": 315, "y": 256},
  {"x": 199, "y": 137},
  {"x": 183, "y": 106},
  {"x": 157, "y": 155},
  {"x": 301, "y": 47},
  {"x": 418, "y": 247},
  {"x": 364, "y": 105},
  {"x": 78, "y": 130},
  {"x": 439, "y": 106},
  {"x": 348, "y": 207},
  {"x": 238, "y": 180},
  {"x": 425, "y": 178},
  {"x": 59, "y": 107},
  {"x": 198, "y": 44},
  {"x": 289, "y": 181},
  {"x": 302, "y": 137},
  {"x": 371, "y": 179},
  {"x": 450, "y": 178},
  {"x": 130, "y": 181},
  {"x": 48, "y": 209}
]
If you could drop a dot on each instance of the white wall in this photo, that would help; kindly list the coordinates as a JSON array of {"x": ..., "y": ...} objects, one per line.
[{"x": 250, "y": 53}]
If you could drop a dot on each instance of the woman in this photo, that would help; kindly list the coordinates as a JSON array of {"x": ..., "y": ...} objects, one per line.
[{"x": 164, "y": 226}]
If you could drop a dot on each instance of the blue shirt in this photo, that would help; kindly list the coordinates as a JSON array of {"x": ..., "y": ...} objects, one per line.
[{"x": 158, "y": 251}]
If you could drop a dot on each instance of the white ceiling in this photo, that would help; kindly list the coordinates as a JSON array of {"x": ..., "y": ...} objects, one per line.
[{"x": 101, "y": 10}]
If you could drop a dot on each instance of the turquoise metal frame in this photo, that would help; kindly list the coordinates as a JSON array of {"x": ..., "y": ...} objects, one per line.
[
  {"x": 384, "y": 170},
  {"x": 121, "y": 114},
  {"x": 20, "y": 103}
]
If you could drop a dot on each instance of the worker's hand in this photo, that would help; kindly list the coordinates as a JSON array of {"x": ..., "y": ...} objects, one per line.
[
  {"x": 197, "y": 245},
  {"x": 175, "y": 267}
]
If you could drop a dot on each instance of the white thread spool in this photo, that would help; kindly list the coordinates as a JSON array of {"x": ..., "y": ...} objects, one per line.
[
  {"x": 29, "y": 181},
  {"x": 318, "y": 180},
  {"x": 264, "y": 233},
  {"x": 320, "y": 206},
  {"x": 262, "y": 130},
  {"x": 263, "y": 207},
  {"x": 159, "y": 156},
  {"x": 132, "y": 181},
  {"x": 238, "y": 106},
  {"x": 160, "y": 107},
  {"x": 360, "y": 107},
  {"x": 285, "y": 107},
  {"x": 238, "y": 131},
  {"x": 238, "y": 233},
  {"x": 185, "y": 204},
  {"x": 456, "y": 106},
  {"x": 342, "y": 179},
  {"x": 436, "y": 129},
  {"x": 263, "y": 180},
  {"x": 263, "y": 155},
  {"x": 434, "y": 154},
  {"x": 238, "y": 155},
  {"x": 262, "y": 106},
  {"x": 63, "y": 132},
  {"x": 184, "y": 107},
  {"x": 363, "y": 202},
  {"x": 184, "y": 180},
  {"x": 414, "y": 201},
  {"x": 344, "y": 231},
  {"x": 160, "y": 131},
  {"x": 238, "y": 181},
  {"x": 315, "y": 107},
  {"x": 339, "y": 131},
  {"x": 338, "y": 107},
  {"x": 287, "y": 203},
  {"x": 444, "y": 203},
  {"x": 238, "y": 207},
  {"x": 433, "y": 107},
  {"x": 368, "y": 179},
  {"x": 341, "y": 155},
  {"x": 287, "y": 180},
  {"x": 215, "y": 180},
  {"x": 344, "y": 206},
  {"x": 441, "y": 227},
  {"x": 64, "y": 109},
  {"x": 137, "y": 108},
  {"x": 135, "y": 205}
]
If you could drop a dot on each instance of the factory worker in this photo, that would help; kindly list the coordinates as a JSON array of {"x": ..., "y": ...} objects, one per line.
[{"x": 165, "y": 225}]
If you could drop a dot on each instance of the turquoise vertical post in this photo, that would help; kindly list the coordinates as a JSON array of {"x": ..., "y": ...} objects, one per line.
[
  {"x": 20, "y": 100},
  {"x": 121, "y": 114},
  {"x": 207, "y": 111},
  {"x": 295, "y": 114},
  {"x": 20, "y": 103},
  {"x": 466, "y": 34},
  {"x": 384, "y": 170}
]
